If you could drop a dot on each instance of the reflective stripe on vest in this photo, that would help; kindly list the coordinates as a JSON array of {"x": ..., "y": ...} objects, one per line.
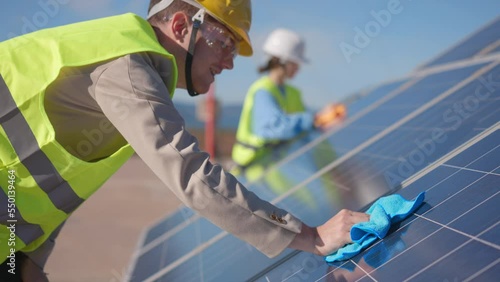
[
  {"x": 50, "y": 182},
  {"x": 32, "y": 157},
  {"x": 247, "y": 146},
  {"x": 25, "y": 231}
]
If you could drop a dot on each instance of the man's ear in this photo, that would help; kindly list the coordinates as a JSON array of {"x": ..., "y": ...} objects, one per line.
[{"x": 180, "y": 25}]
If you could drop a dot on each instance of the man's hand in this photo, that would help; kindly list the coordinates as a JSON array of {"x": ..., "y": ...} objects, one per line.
[
  {"x": 336, "y": 232},
  {"x": 329, "y": 237}
]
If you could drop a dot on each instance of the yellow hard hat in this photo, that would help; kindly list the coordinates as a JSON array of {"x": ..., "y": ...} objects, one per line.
[{"x": 236, "y": 15}]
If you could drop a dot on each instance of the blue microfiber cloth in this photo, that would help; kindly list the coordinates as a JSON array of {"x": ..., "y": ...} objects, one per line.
[{"x": 384, "y": 212}]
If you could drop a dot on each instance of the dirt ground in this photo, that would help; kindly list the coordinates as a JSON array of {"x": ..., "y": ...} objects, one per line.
[{"x": 98, "y": 240}]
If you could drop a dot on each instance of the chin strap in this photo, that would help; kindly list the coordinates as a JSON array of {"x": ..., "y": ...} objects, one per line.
[{"x": 197, "y": 21}]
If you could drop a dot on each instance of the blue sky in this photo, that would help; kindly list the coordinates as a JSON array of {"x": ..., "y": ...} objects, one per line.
[{"x": 404, "y": 35}]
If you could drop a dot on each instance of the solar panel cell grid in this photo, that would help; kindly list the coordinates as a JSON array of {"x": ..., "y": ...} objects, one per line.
[
  {"x": 437, "y": 243},
  {"x": 484, "y": 147},
  {"x": 471, "y": 46},
  {"x": 492, "y": 234},
  {"x": 216, "y": 263},
  {"x": 398, "y": 107},
  {"x": 168, "y": 224},
  {"x": 470, "y": 223},
  {"x": 495, "y": 50},
  {"x": 173, "y": 248},
  {"x": 373, "y": 96},
  {"x": 464, "y": 201}
]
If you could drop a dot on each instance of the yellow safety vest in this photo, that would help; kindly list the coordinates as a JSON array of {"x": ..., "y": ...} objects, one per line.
[
  {"x": 41, "y": 183},
  {"x": 249, "y": 146}
]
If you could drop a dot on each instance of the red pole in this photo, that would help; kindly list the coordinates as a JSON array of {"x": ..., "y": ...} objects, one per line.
[{"x": 210, "y": 122}]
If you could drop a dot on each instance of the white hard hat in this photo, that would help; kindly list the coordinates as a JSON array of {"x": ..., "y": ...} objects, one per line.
[{"x": 285, "y": 45}]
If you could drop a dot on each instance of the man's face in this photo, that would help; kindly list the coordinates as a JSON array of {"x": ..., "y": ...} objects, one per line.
[{"x": 215, "y": 50}]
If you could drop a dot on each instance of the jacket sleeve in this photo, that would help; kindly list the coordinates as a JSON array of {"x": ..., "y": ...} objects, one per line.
[
  {"x": 271, "y": 122},
  {"x": 133, "y": 97}
]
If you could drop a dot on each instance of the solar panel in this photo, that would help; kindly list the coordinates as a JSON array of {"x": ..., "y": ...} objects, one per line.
[
  {"x": 479, "y": 43},
  {"x": 174, "y": 247},
  {"x": 366, "y": 99},
  {"x": 421, "y": 242},
  {"x": 495, "y": 50},
  {"x": 442, "y": 240},
  {"x": 181, "y": 216},
  {"x": 436, "y": 130}
]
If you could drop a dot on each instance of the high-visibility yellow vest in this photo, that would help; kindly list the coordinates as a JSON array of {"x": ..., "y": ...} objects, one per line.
[
  {"x": 41, "y": 183},
  {"x": 248, "y": 146}
]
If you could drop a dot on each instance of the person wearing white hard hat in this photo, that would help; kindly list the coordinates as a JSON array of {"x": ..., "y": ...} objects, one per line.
[
  {"x": 273, "y": 111},
  {"x": 70, "y": 117}
]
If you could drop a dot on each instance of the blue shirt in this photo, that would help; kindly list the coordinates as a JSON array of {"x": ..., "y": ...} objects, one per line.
[{"x": 271, "y": 122}]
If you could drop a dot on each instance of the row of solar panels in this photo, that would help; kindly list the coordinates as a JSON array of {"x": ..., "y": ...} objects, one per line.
[{"x": 394, "y": 133}]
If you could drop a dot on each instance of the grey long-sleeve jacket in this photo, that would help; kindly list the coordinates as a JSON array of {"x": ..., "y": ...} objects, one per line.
[{"x": 125, "y": 100}]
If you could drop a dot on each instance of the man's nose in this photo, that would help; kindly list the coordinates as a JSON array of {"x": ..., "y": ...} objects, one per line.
[{"x": 228, "y": 62}]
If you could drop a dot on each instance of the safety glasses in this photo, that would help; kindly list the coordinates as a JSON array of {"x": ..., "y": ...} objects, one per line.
[{"x": 220, "y": 40}]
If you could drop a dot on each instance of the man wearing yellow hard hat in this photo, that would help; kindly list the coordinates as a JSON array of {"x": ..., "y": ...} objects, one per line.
[{"x": 79, "y": 100}]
